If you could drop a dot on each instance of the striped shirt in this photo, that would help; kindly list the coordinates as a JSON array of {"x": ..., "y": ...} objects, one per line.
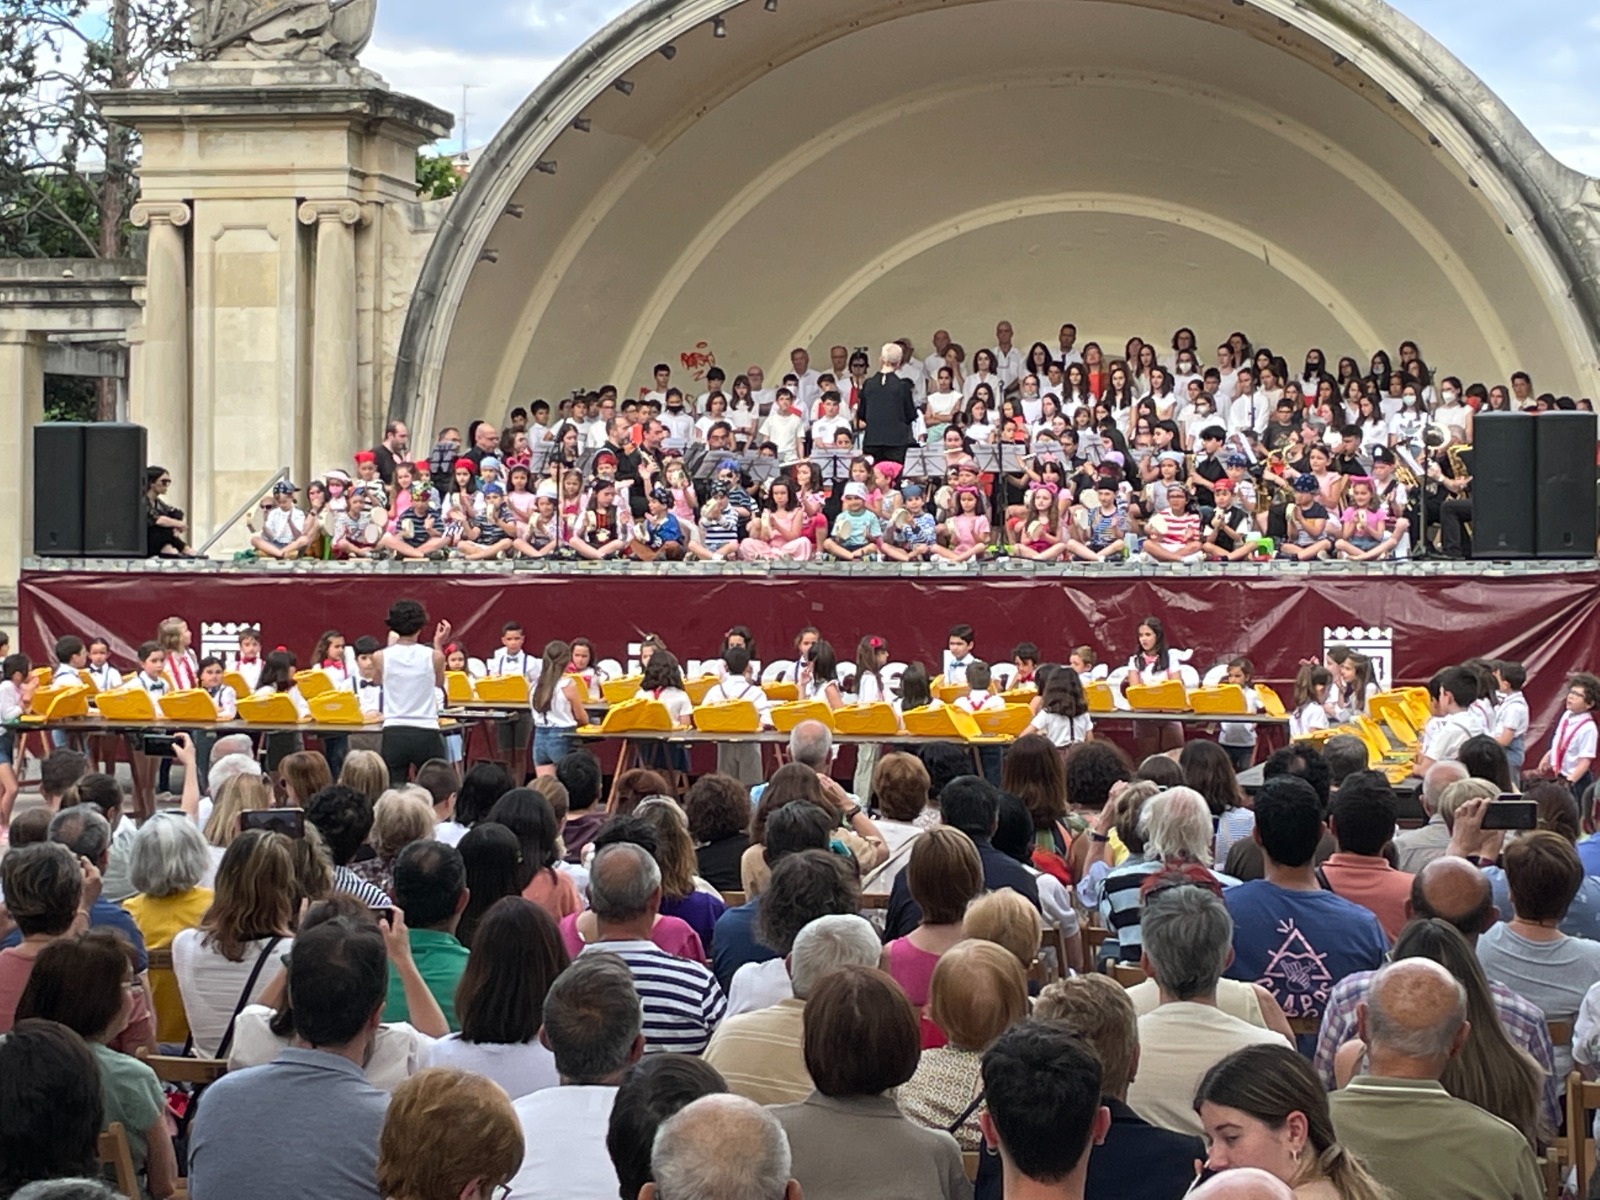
[
  {"x": 347, "y": 881},
  {"x": 683, "y": 1003}
]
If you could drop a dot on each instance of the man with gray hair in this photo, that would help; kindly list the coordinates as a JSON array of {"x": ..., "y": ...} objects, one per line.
[
  {"x": 888, "y": 409},
  {"x": 811, "y": 745},
  {"x": 721, "y": 1147},
  {"x": 592, "y": 1025},
  {"x": 760, "y": 1053},
  {"x": 1188, "y": 943},
  {"x": 1416, "y": 1138},
  {"x": 683, "y": 1003},
  {"x": 1418, "y": 847},
  {"x": 82, "y": 830}
]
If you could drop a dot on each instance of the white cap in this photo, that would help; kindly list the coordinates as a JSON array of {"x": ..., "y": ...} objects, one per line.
[
  {"x": 856, "y": 489},
  {"x": 546, "y": 490}
]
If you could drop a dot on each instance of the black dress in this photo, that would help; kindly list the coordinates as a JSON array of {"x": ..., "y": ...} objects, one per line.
[{"x": 718, "y": 862}]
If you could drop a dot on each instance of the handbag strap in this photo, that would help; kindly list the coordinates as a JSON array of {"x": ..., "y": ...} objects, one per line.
[{"x": 244, "y": 997}]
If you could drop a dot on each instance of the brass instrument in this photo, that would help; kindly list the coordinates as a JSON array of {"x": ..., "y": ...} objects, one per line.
[{"x": 1459, "y": 466}]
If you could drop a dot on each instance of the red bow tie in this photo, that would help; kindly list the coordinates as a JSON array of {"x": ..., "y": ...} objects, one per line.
[{"x": 243, "y": 661}]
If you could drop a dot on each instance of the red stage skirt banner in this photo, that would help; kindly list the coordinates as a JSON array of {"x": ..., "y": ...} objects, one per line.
[{"x": 1423, "y": 622}]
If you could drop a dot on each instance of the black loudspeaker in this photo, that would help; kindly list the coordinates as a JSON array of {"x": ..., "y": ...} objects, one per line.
[
  {"x": 1564, "y": 456},
  {"x": 113, "y": 501},
  {"x": 58, "y": 489},
  {"x": 1503, "y": 475}
]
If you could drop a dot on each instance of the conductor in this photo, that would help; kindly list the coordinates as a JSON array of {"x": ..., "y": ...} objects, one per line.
[{"x": 887, "y": 410}]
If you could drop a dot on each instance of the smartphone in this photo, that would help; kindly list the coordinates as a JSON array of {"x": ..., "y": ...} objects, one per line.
[
  {"x": 159, "y": 745},
  {"x": 1511, "y": 811},
  {"x": 291, "y": 822}
]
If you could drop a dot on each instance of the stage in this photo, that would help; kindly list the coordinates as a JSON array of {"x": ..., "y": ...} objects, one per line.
[{"x": 1414, "y": 617}]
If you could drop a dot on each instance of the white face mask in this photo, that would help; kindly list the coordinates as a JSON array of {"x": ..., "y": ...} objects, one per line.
[{"x": 1449, "y": 397}]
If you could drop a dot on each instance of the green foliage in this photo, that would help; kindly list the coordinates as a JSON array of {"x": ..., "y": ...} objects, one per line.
[
  {"x": 66, "y": 176},
  {"x": 71, "y": 398},
  {"x": 437, "y": 176}
]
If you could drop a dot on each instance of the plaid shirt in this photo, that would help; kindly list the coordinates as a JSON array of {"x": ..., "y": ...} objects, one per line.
[{"x": 1523, "y": 1021}]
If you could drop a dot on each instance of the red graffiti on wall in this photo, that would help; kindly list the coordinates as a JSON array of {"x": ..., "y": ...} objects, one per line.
[{"x": 698, "y": 361}]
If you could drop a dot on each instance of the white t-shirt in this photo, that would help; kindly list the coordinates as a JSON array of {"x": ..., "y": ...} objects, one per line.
[
  {"x": 564, "y": 1135},
  {"x": 783, "y": 431},
  {"x": 503, "y": 662},
  {"x": 520, "y": 1069},
  {"x": 824, "y": 428},
  {"x": 210, "y": 984},
  {"x": 758, "y": 985},
  {"x": 1062, "y": 731},
  {"x": 398, "y": 1050},
  {"x": 1512, "y": 714},
  {"x": 1442, "y": 737},
  {"x": 408, "y": 686},
  {"x": 1308, "y": 717},
  {"x": 282, "y": 525}
]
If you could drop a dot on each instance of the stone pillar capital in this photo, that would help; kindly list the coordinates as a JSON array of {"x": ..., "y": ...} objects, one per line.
[
  {"x": 345, "y": 212},
  {"x": 163, "y": 212}
]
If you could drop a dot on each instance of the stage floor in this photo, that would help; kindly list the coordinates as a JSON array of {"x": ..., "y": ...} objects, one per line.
[{"x": 1413, "y": 618}]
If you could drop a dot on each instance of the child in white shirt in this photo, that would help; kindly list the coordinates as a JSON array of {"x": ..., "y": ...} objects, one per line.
[
  {"x": 16, "y": 694},
  {"x": 742, "y": 760},
  {"x": 1310, "y": 700},
  {"x": 1510, "y": 726},
  {"x": 1063, "y": 714},
  {"x": 105, "y": 676},
  {"x": 978, "y": 698},
  {"x": 1573, "y": 745}
]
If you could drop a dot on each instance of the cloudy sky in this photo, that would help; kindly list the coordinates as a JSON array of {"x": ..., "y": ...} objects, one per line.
[{"x": 1539, "y": 55}]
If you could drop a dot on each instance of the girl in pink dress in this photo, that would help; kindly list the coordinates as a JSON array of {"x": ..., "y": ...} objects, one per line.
[
  {"x": 780, "y": 532},
  {"x": 1041, "y": 526},
  {"x": 967, "y": 528}
]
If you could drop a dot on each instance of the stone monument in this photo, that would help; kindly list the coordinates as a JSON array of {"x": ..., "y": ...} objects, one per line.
[{"x": 278, "y": 186}]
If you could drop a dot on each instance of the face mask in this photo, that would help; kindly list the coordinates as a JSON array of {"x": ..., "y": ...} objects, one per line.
[{"x": 1449, "y": 397}]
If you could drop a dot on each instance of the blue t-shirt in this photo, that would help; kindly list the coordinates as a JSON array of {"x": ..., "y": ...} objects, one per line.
[
  {"x": 852, "y": 530},
  {"x": 668, "y": 530},
  {"x": 1297, "y": 945},
  {"x": 734, "y": 944},
  {"x": 1589, "y": 855}
]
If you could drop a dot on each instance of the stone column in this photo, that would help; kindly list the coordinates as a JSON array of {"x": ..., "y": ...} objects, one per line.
[
  {"x": 335, "y": 428},
  {"x": 21, "y": 408},
  {"x": 162, "y": 403}
]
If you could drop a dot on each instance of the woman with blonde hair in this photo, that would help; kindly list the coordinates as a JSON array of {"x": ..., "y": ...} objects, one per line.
[
  {"x": 400, "y": 817},
  {"x": 1264, "y": 1107},
  {"x": 683, "y": 893},
  {"x": 241, "y": 794},
  {"x": 476, "y": 1162},
  {"x": 366, "y": 772},
  {"x": 978, "y": 991},
  {"x": 1007, "y": 919},
  {"x": 237, "y": 950}
]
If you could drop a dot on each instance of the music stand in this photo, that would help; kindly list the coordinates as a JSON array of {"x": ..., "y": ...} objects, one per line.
[
  {"x": 833, "y": 465},
  {"x": 1093, "y": 447},
  {"x": 924, "y": 462},
  {"x": 540, "y": 457},
  {"x": 764, "y": 469}
]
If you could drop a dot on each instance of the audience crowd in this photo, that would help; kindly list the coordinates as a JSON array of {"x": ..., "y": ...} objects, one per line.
[
  {"x": 1085, "y": 976},
  {"x": 1054, "y": 453}
]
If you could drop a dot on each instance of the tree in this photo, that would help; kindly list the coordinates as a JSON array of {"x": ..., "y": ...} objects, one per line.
[
  {"x": 66, "y": 176},
  {"x": 437, "y": 176}
]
